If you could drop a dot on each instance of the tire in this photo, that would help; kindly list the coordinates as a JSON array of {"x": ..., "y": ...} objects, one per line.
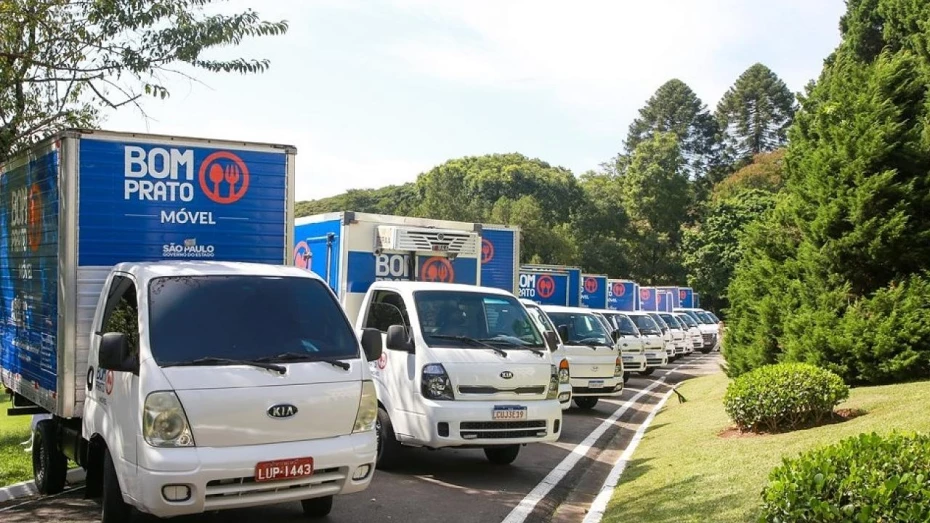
[
  {"x": 504, "y": 455},
  {"x": 114, "y": 509},
  {"x": 705, "y": 351},
  {"x": 626, "y": 376},
  {"x": 389, "y": 448},
  {"x": 646, "y": 372},
  {"x": 317, "y": 507},
  {"x": 49, "y": 464},
  {"x": 585, "y": 402}
]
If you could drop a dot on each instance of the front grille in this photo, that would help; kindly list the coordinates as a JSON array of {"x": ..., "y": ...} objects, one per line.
[
  {"x": 503, "y": 429},
  {"x": 229, "y": 492},
  {"x": 653, "y": 361},
  {"x": 709, "y": 339},
  {"x": 600, "y": 390},
  {"x": 487, "y": 389}
]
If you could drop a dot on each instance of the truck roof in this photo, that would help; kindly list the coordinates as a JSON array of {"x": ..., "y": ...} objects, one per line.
[
  {"x": 562, "y": 308},
  {"x": 147, "y": 270},
  {"x": 413, "y": 286}
]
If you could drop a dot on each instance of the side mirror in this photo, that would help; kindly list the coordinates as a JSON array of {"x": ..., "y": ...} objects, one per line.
[
  {"x": 371, "y": 344},
  {"x": 552, "y": 340},
  {"x": 615, "y": 334},
  {"x": 397, "y": 339},
  {"x": 563, "y": 332},
  {"x": 113, "y": 353}
]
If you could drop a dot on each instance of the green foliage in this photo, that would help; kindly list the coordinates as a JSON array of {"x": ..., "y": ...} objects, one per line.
[
  {"x": 836, "y": 274},
  {"x": 765, "y": 173},
  {"x": 399, "y": 200},
  {"x": 540, "y": 241},
  {"x": 864, "y": 478},
  {"x": 754, "y": 115},
  {"x": 783, "y": 397},
  {"x": 62, "y": 61}
]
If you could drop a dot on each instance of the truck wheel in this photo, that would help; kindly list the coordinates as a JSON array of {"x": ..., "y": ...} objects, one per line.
[
  {"x": 317, "y": 507},
  {"x": 49, "y": 464},
  {"x": 626, "y": 376},
  {"x": 388, "y": 446},
  {"x": 585, "y": 402},
  {"x": 114, "y": 509},
  {"x": 504, "y": 455},
  {"x": 705, "y": 351},
  {"x": 646, "y": 372}
]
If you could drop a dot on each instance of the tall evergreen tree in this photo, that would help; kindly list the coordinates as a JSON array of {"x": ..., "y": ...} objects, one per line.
[
  {"x": 676, "y": 109},
  {"x": 755, "y": 113}
]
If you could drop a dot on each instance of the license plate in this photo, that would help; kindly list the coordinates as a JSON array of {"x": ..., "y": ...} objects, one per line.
[
  {"x": 627, "y": 358},
  {"x": 595, "y": 384},
  {"x": 283, "y": 469},
  {"x": 508, "y": 412}
]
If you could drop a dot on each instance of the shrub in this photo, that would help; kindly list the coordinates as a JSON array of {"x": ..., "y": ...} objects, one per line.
[
  {"x": 783, "y": 396},
  {"x": 863, "y": 478}
]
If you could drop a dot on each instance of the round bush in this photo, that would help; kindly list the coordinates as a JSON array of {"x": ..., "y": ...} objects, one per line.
[
  {"x": 783, "y": 396},
  {"x": 863, "y": 478}
]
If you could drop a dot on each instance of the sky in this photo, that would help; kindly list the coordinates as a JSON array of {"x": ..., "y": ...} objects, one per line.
[{"x": 375, "y": 92}]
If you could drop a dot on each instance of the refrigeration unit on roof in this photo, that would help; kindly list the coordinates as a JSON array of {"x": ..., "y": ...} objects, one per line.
[{"x": 439, "y": 242}]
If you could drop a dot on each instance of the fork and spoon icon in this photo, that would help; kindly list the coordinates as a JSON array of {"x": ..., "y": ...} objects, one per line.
[{"x": 230, "y": 174}]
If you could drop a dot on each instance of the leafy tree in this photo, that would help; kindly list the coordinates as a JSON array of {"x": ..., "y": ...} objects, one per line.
[
  {"x": 392, "y": 199},
  {"x": 711, "y": 249},
  {"x": 62, "y": 61},
  {"x": 766, "y": 173},
  {"x": 676, "y": 109},
  {"x": 656, "y": 194},
  {"x": 754, "y": 114},
  {"x": 600, "y": 224},
  {"x": 853, "y": 223},
  {"x": 540, "y": 241}
]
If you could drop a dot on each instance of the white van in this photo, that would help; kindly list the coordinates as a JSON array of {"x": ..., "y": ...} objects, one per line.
[
  {"x": 629, "y": 341},
  {"x": 680, "y": 335},
  {"x": 464, "y": 366},
  {"x": 710, "y": 329},
  {"x": 559, "y": 356},
  {"x": 694, "y": 332},
  {"x": 656, "y": 354},
  {"x": 596, "y": 365}
]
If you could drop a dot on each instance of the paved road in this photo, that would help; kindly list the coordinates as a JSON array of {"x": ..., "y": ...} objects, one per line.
[{"x": 457, "y": 486}]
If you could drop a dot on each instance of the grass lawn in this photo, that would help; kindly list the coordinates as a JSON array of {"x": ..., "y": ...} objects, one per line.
[
  {"x": 682, "y": 470},
  {"x": 15, "y": 462}
]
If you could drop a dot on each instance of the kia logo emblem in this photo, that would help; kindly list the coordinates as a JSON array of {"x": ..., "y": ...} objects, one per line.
[
  {"x": 594, "y": 368},
  {"x": 281, "y": 411},
  {"x": 506, "y": 374}
]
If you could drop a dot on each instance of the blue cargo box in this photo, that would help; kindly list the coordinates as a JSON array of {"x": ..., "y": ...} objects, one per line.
[
  {"x": 594, "y": 291},
  {"x": 82, "y": 201},
  {"x": 500, "y": 257},
  {"x": 573, "y": 286},
  {"x": 622, "y": 295}
]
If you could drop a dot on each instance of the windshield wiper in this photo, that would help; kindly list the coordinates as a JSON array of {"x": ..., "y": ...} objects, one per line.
[
  {"x": 300, "y": 356},
  {"x": 471, "y": 340},
  {"x": 227, "y": 361},
  {"x": 509, "y": 343}
]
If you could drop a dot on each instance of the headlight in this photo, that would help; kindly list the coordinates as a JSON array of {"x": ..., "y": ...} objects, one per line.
[
  {"x": 435, "y": 383},
  {"x": 564, "y": 374},
  {"x": 553, "y": 392},
  {"x": 367, "y": 408},
  {"x": 618, "y": 367},
  {"x": 164, "y": 423}
]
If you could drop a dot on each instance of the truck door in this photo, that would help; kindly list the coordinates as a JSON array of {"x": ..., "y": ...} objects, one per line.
[{"x": 116, "y": 393}]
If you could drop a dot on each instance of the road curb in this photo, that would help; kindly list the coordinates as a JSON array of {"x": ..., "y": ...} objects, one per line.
[{"x": 28, "y": 488}]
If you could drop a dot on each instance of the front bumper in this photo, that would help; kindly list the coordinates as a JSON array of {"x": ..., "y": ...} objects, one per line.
[
  {"x": 656, "y": 359},
  {"x": 224, "y": 477},
  {"x": 609, "y": 387},
  {"x": 633, "y": 361},
  {"x": 463, "y": 423}
]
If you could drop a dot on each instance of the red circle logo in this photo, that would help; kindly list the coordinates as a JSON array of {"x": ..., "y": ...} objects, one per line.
[
  {"x": 34, "y": 217},
  {"x": 644, "y": 294},
  {"x": 545, "y": 286},
  {"x": 224, "y": 178},
  {"x": 682, "y": 295},
  {"x": 109, "y": 382},
  {"x": 487, "y": 251},
  {"x": 590, "y": 285},
  {"x": 302, "y": 255},
  {"x": 438, "y": 269},
  {"x": 619, "y": 289}
]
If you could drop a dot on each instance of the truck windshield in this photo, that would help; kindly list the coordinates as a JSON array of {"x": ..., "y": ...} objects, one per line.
[
  {"x": 713, "y": 316},
  {"x": 460, "y": 318},
  {"x": 659, "y": 321},
  {"x": 625, "y": 324},
  {"x": 583, "y": 328},
  {"x": 246, "y": 318},
  {"x": 671, "y": 321},
  {"x": 704, "y": 317},
  {"x": 687, "y": 320},
  {"x": 541, "y": 319},
  {"x": 646, "y": 325}
]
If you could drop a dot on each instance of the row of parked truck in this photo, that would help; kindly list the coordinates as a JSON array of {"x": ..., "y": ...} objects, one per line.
[{"x": 194, "y": 347}]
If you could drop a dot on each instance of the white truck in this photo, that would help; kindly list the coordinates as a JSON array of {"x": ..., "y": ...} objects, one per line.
[
  {"x": 465, "y": 366},
  {"x": 629, "y": 342},
  {"x": 653, "y": 338},
  {"x": 680, "y": 335},
  {"x": 184, "y": 366},
  {"x": 559, "y": 356},
  {"x": 694, "y": 332},
  {"x": 596, "y": 364},
  {"x": 390, "y": 272},
  {"x": 710, "y": 329}
]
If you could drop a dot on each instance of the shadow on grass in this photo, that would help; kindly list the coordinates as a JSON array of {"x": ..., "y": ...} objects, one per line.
[
  {"x": 835, "y": 418},
  {"x": 665, "y": 502}
]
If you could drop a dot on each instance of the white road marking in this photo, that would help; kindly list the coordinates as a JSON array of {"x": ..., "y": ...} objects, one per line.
[
  {"x": 596, "y": 512},
  {"x": 529, "y": 502}
]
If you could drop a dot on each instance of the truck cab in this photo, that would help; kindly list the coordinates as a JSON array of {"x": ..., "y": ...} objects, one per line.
[
  {"x": 629, "y": 341},
  {"x": 667, "y": 334},
  {"x": 656, "y": 354},
  {"x": 217, "y": 385},
  {"x": 559, "y": 356},
  {"x": 694, "y": 332},
  {"x": 465, "y": 366},
  {"x": 709, "y": 328},
  {"x": 679, "y": 334},
  {"x": 596, "y": 364}
]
